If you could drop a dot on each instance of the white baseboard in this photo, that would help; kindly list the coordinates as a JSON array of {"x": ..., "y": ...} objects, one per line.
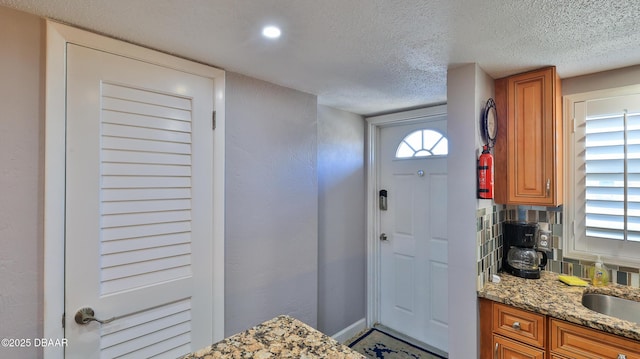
[{"x": 350, "y": 331}]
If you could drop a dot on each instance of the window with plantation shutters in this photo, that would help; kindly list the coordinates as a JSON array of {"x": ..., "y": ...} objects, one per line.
[
  {"x": 611, "y": 176},
  {"x": 604, "y": 211}
]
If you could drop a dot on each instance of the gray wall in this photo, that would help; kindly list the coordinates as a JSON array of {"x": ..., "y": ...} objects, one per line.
[
  {"x": 468, "y": 87},
  {"x": 271, "y": 245},
  {"x": 341, "y": 221},
  {"x": 602, "y": 80},
  {"x": 21, "y": 186}
]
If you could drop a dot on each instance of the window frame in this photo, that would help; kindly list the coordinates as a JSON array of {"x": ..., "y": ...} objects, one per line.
[
  {"x": 622, "y": 253},
  {"x": 431, "y": 155}
]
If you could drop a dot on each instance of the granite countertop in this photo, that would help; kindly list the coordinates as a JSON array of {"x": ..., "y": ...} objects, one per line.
[
  {"x": 280, "y": 337},
  {"x": 551, "y": 297}
]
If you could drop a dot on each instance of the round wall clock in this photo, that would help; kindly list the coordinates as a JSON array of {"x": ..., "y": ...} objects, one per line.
[{"x": 490, "y": 123}]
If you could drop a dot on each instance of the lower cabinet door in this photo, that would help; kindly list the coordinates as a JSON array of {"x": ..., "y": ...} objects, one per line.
[
  {"x": 578, "y": 342},
  {"x": 510, "y": 349}
]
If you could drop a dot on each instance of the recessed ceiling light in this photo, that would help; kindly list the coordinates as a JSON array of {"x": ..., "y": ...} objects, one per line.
[{"x": 271, "y": 32}]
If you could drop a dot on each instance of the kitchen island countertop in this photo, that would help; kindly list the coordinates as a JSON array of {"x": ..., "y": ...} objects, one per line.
[
  {"x": 280, "y": 337},
  {"x": 551, "y": 297}
]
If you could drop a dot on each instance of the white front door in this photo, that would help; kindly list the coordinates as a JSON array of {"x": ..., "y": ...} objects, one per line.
[
  {"x": 413, "y": 263},
  {"x": 138, "y": 207}
]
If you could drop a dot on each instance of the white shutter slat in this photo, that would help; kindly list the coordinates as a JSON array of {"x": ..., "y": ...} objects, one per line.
[
  {"x": 611, "y": 166},
  {"x": 149, "y": 97},
  {"x": 136, "y": 169},
  {"x": 633, "y": 153},
  {"x": 605, "y": 221},
  {"x": 139, "y": 108},
  {"x": 605, "y": 207},
  {"x": 633, "y": 166},
  {"x": 633, "y": 137},
  {"x": 124, "y": 156},
  {"x": 131, "y": 119},
  {"x": 140, "y": 194},
  {"x": 134, "y": 244},
  {"x": 609, "y": 124},
  {"x": 137, "y": 219},
  {"x": 124, "y": 182},
  {"x": 633, "y": 223},
  {"x": 605, "y": 180},
  {"x": 604, "y": 153},
  {"x": 146, "y": 254},
  {"x": 605, "y": 193},
  {"x": 137, "y": 268},
  {"x": 148, "y": 230},
  {"x": 128, "y": 144},
  {"x": 608, "y": 233},
  {"x": 633, "y": 194},
  {"x": 145, "y": 206},
  {"x": 142, "y": 133},
  {"x": 135, "y": 281}
]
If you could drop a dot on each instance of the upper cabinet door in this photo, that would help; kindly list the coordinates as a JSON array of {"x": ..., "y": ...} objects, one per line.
[{"x": 528, "y": 149}]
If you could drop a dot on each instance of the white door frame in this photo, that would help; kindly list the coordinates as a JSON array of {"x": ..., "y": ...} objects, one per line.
[
  {"x": 374, "y": 124},
  {"x": 58, "y": 36}
]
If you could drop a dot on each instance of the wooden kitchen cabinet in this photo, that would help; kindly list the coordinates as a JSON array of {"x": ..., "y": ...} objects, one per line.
[
  {"x": 510, "y": 349},
  {"x": 528, "y": 150},
  {"x": 544, "y": 337},
  {"x": 577, "y": 342},
  {"x": 524, "y": 326},
  {"x": 511, "y": 333}
]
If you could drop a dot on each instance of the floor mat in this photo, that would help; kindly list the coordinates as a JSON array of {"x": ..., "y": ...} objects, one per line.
[{"x": 376, "y": 344}]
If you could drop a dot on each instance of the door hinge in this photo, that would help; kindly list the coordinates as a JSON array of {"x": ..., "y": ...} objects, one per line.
[
  {"x": 213, "y": 120},
  {"x": 573, "y": 125},
  {"x": 63, "y": 318}
]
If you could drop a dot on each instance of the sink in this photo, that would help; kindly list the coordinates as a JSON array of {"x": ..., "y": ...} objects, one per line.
[{"x": 612, "y": 306}]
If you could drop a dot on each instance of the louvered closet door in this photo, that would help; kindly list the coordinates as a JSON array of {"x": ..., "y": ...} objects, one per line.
[{"x": 139, "y": 207}]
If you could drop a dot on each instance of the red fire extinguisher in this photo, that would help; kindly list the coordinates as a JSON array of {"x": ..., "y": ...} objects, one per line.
[{"x": 485, "y": 174}]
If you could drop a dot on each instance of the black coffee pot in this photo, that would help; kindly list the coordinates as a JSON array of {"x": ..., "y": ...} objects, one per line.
[{"x": 520, "y": 256}]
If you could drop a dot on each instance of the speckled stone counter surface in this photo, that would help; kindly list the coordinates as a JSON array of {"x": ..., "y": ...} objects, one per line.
[
  {"x": 551, "y": 297},
  {"x": 280, "y": 337}
]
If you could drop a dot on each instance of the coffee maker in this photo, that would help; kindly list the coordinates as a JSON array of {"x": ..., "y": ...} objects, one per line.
[{"x": 520, "y": 256}]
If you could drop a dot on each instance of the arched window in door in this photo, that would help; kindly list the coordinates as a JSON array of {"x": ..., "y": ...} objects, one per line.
[{"x": 423, "y": 143}]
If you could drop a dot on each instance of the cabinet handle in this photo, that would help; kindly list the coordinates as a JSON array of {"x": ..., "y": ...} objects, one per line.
[
  {"x": 516, "y": 325},
  {"x": 622, "y": 356},
  {"x": 495, "y": 352},
  {"x": 548, "y": 186}
]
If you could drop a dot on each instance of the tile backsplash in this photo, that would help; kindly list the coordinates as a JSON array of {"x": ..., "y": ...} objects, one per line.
[
  {"x": 489, "y": 244},
  {"x": 489, "y": 241}
]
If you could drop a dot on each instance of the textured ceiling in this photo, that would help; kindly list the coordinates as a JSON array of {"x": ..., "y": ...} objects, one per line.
[{"x": 369, "y": 56}]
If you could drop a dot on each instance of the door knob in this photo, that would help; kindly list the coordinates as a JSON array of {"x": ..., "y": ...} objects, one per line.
[
  {"x": 86, "y": 315},
  {"x": 383, "y": 237}
]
